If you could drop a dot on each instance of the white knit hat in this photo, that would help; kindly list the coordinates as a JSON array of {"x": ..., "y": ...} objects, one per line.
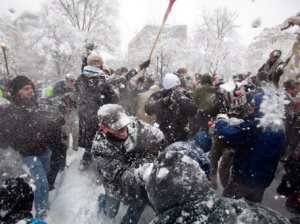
[{"x": 170, "y": 81}]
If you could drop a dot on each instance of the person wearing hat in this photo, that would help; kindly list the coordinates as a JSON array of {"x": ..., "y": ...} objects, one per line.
[
  {"x": 31, "y": 130},
  {"x": 172, "y": 107},
  {"x": 93, "y": 88},
  {"x": 179, "y": 191},
  {"x": 273, "y": 68},
  {"x": 121, "y": 146}
]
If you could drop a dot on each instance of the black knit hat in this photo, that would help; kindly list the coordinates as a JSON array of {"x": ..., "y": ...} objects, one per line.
[{"x": 18, "y": 83}]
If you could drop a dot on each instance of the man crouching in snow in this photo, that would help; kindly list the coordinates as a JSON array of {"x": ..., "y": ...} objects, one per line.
[{"x": 121, "y": 145}]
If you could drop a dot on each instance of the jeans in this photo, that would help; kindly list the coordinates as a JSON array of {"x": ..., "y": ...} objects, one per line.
[
  {"x": 39, "y": 167},
  {"x": 109, "y": 205}
]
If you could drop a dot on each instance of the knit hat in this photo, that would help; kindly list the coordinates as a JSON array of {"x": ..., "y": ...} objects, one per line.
[
  {"x": 18, "y": 83},
  {"x": 94, "y": 59},
  {"x": 170, "y": 81}
]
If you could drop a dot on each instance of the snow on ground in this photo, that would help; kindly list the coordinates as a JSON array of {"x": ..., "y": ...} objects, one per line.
[{"x": 75, "y": 197}]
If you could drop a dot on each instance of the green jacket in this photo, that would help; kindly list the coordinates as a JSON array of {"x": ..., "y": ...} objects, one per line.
[{"x": 205, "y": 96}]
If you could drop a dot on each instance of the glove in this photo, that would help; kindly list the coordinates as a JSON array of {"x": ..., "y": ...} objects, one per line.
[
  {"x": 129, "y": 177},
  {"x": 142, "y": 173},
  {"x": 235, "y": 121},
  {"x": 222, "y": 117},
  {"x": 145, "y": 64}
]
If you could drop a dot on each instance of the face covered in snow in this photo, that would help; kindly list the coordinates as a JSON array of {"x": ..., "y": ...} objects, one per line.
[{"x": 114, "y": 120}]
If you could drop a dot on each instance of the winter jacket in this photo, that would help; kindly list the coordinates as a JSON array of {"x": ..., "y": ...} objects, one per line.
[
  {"x": 91, "y": 92},
  {"x": 29, "y": 126},
  {"x": 180, "y": 193},
  {"x": 172, "y": 108},
  {"x": 208, "y": 104},
  {"x": 273, "y": 70},
  {"x": 205, "y": 96},
  {"x": 118, "y": 159},
  {"x": 16, "y": 201},
  {"x": 257, "y": 151},
  {"x": 209, "y": 209}
]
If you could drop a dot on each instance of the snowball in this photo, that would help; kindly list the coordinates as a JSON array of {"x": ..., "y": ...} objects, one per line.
[
  {"x": 256, "y": 22},
  {"x": 162, "y": 173}
]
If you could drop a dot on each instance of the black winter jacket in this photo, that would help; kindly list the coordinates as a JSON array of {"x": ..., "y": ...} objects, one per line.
[
  {"x": 91, "y": 91},
  {"x": 172, "y": 108},
  {"x": 29, "y": 127},
  {"x": 118, "y": 159}
]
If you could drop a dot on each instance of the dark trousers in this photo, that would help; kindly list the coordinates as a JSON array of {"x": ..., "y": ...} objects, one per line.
[
  {"x": 237, "y": 191},
  {"x": 87, "y": 156},
  {"x": 109, "y": 205},
  {"x": 58, "y": 162}
]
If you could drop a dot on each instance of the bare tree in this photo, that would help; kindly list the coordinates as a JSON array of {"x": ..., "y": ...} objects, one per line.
[
  {"x": 97, "y": 18},
  {"x": 85, "y": 15},
  {"x": 212, "y": 33}
]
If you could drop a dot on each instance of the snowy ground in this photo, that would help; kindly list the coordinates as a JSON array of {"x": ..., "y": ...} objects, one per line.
[{"x": 75, "y": 198}]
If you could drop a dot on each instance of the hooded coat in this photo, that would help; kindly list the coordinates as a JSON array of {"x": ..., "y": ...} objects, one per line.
[
  {"x": 91, "y": 92},
  {"x": 118, "y": 159},
  {"x": 172, "y": 108},
  {"x": 180, "y": 193},
  {"x": 257, "y": 150}
]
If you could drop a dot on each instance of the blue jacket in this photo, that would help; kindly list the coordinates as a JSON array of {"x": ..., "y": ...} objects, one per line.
[
  {"x": 257, "y": 152},
  {"x": 192, "y": 149}
]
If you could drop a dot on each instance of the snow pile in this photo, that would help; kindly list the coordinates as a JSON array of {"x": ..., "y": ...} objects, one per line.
[
  {"x": 75, "y": 199},
  {"x": 272, "y": 109},
  {"x": 11, "y": 165}
]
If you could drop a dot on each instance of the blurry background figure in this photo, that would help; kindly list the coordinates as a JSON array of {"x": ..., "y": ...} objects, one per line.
[
  {"x": 273, "y": 68},
  {"x": 197, "y": 82},
  {"x": 292, "y": 69},
  {"x": 89, "y": 47},
  {"x": 106, "y": 69},
  {"x": 185, "y": 79},
  {"x": 140, "y": 106},
  {"x": 172, "y": 106}
]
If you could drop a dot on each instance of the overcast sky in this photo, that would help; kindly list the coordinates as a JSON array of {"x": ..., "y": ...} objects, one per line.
[{"x": 136, "y": 13}]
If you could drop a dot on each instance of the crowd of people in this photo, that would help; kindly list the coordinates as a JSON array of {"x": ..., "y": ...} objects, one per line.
[{"x": 156, "y": 144}]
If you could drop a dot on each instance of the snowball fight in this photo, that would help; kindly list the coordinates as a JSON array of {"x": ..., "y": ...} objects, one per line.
[{"x": 162, "y": 112}]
